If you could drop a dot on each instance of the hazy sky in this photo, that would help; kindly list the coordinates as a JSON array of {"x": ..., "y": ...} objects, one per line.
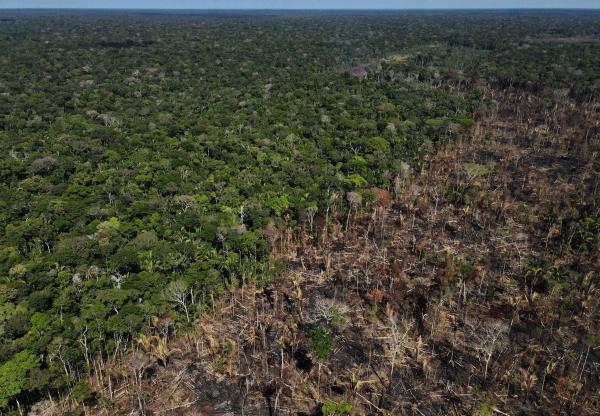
[{"x": 301, "y": 4}]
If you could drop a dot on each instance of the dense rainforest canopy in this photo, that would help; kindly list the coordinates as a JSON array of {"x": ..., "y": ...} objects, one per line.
[{"x": 151, "y": 161}]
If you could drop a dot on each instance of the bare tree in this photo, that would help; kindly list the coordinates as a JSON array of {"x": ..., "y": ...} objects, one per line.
[
  {"x": 398, "y": 339},
  {"x": 118, "y": 279},
  {"x": 355, "y": 200},
  {"x": 311, "y": 211},
  {"x": 177, "y": 292},
  {"x": 185, "y": 202},
  {"x": 487, "y": 337}
]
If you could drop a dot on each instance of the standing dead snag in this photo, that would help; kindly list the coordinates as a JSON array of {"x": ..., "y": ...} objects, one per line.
[
  {"x": 355, "y": 200},
  {"x": 487, "y": 337},
  {"x": 311, "y": 211},
  {"x": 177, "y": 292},
  {"x": 138, "y": 363},
  {"x": 330, "y": 212},
  {"x": 398, "y": 339},
  {"x": 382, "y": 201}
]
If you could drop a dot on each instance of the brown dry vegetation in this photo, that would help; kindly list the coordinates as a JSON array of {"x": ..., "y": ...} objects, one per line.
[{"x": 476, "y": 292}]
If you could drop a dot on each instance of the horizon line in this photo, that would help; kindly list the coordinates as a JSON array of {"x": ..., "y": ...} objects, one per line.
[{"x": 303, "y": 9}]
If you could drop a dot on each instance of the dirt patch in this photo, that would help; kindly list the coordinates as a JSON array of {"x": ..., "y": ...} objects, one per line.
[{"x": 396, "y": 58}]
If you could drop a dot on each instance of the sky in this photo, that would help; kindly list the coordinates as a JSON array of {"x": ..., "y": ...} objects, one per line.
[{"x": 300, "y": 4}]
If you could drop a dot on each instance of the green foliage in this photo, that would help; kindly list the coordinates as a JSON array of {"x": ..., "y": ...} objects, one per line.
[
  {"x": 378, "y": 144},
  {"x": 357, "y": 181},
  {"x": 321, "y": 340},
  {"x": 484, "y": 409},
  {"x": 13, "y": 375},
  {"x": 82, "y": 392},
  {"x": 331, "y": 408},
  {"x": 279, "y": 204},
  {"x": 584, "y": 235},
  {"x": 465, "y": 121}
]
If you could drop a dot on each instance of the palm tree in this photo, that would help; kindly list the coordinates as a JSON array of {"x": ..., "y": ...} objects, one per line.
[{"x": 157, "y": 347}]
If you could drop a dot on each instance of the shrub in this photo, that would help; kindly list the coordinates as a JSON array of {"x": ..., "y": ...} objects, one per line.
[
  {"x": 321, "y": 341},
  {"x": 331, "y": 408}
]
